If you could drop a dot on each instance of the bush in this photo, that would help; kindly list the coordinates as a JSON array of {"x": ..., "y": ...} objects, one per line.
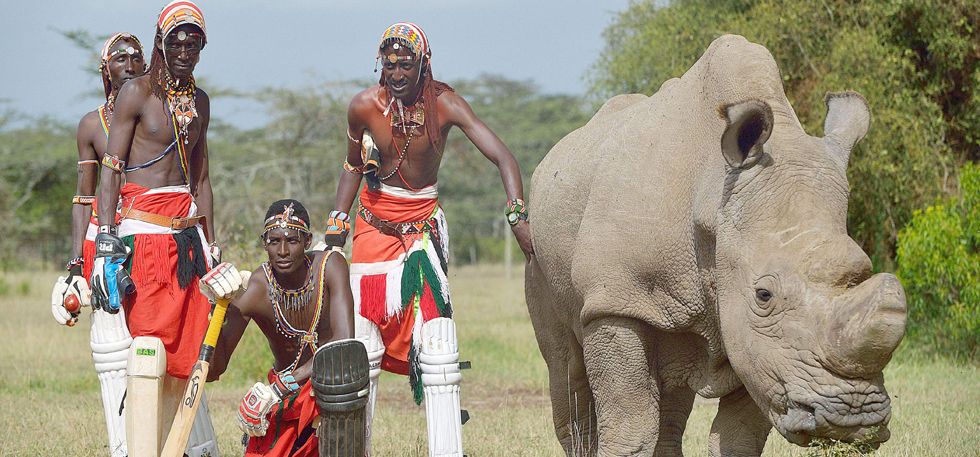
[{"x": 939, "y": 265}]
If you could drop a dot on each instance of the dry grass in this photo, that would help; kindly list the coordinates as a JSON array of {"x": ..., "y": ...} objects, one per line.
[{"x": 51, "y": 407}]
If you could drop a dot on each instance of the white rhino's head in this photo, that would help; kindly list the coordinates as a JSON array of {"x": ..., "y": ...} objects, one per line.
[{"x": 806, "y": 325}]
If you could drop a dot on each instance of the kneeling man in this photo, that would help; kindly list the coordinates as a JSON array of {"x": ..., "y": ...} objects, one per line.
[{"x": 302, "y": 303}]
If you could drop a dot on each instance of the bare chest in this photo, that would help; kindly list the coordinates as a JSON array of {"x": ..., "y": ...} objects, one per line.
[{"x": 156, "y": 127}]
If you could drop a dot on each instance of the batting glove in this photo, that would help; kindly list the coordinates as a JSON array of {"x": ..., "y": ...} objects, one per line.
[
  {"x": 223, "y": 281},
  {"x": 64, "y": 288},
  {"x": 254, "y": 410},
  {"x": 110, "y": 281}
]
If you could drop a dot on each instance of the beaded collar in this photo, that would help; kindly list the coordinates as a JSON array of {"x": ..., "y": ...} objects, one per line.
[
  {"x": 404, "y": 117},
  {"x": 291, "y": 299}
]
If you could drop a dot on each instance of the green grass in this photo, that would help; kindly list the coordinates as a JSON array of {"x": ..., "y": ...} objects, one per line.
[{"x": 51, "y": 405}]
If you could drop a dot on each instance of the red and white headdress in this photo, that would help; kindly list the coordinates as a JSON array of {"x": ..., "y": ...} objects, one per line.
[
  {"x": 138, "y": 49},
  {"x": 180, "y": 12}
]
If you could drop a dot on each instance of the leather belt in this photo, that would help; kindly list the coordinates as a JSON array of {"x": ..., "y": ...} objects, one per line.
[{"x": 173, "y": 223}]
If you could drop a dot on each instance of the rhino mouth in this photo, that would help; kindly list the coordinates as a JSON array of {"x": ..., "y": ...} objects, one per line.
[{"x": 850, "y": 418}]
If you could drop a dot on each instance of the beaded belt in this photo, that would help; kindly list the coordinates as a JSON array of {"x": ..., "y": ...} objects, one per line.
[{"x": 397, "y": 229}]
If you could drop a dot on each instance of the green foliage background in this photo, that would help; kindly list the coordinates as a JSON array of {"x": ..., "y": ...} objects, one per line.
[{"x": 939, "y": 264}]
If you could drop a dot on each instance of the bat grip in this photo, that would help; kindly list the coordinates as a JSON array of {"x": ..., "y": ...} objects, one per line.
[{"x": 217, "y": 319}]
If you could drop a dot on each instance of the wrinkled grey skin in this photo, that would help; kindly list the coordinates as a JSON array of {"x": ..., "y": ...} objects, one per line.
[{"x": 694, "y": 242}]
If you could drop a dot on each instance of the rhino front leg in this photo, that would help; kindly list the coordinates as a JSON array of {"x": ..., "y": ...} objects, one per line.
[
  {"x": 675, "y": 408},
  {"x": 740, "y": 429},
  {"x": 624, "y": 384}
]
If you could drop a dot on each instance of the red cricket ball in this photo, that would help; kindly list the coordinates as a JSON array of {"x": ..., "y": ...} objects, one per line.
[{"x": 72, "y": 305}]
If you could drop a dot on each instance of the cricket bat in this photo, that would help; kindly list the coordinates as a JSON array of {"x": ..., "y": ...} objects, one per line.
[{"x": 184, "y": 419}]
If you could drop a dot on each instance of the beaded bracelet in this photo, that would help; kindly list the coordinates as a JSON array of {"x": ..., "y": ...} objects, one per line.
[
  {"x": 83, "y": 199},
  {"x": 76, "y": 261},
  {"x": 516, "y": 211}
]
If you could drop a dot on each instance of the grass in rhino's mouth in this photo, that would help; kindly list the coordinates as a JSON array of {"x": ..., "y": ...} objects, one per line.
[{"x": 826, "y": 447}]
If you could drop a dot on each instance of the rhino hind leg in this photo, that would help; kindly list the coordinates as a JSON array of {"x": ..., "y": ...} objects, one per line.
[
  {"x": 626, "y": 386},
  {"x": 739, "y": 429},
  {"x": 572, "y": 405}
]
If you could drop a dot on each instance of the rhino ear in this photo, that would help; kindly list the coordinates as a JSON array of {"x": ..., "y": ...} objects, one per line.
[
  {"x": 848, "y": 119},
  {"x": 749, "y": 126}
]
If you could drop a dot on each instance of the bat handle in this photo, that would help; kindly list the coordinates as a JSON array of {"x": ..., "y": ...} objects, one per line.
[{"x": 217, "y": 319}]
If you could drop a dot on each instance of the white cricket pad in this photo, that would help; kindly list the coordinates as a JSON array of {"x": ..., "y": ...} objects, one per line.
[
  {"x": 202, "y": 442},
  {"x": 369, "y": 334},
  {"x": 110, "y": 341},
  {"x": 439, "y": 360},
  {"x": 144, "y": 400}
]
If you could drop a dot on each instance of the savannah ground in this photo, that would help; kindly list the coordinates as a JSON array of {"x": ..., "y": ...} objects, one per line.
[{"x": 50, "y": 402}]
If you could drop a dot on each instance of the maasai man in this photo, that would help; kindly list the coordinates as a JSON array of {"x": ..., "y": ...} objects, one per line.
[
  {"x": 122, "y": 60},
  {"x": 158, "y": 146},
  {"x": 399, "y": 257},
  {"x": 302, "y": 303}
]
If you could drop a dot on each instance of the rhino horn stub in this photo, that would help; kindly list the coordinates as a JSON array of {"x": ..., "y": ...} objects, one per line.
[
  {"x": 865, "y": 326},
  {"x": 848, "y": 119},
  {"x": 749, "y": 126}
]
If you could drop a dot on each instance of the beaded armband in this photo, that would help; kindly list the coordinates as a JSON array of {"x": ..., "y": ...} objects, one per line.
[
  {"x": 83, "y": 199},
  {"x": 110, "y": 229},
  {"x": 516, "y": 211},
  {"x": 88, "y": 162},
  {"x": 352, "y": 169},
  {"x": 113, "y": 163},
  {"x": 71, "y": 263},
  {"x": 349, "y": 137}
]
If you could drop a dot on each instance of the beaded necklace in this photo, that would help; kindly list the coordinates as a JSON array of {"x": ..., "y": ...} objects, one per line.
[
  {"x": 308, "y": 337},
  {"x": 409, "y": 119},
  {"x": 183, "y": 110},
  {"x": 292, "y": 299},
  {"x": 105, "y": 113}
]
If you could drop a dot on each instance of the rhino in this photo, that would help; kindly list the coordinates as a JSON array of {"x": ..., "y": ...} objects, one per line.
[{"x": 694, "y": 242}]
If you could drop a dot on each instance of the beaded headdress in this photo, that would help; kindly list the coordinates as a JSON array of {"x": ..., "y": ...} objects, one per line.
[
  {"x": 138, "y": 49},
  {"x": 408, "y": 34},
  {"x": 286, "y": 220},
  {"x": 180, "y": 12}
]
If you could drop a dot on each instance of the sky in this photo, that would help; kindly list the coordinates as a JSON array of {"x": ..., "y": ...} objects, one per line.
[{"x": 253, "y": 44}]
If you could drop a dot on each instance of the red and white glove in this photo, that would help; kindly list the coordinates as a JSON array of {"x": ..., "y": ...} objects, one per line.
[
  {"x": 73, "y": 285},
  {"x": 223, "y": 281},
  {"x": 254, "y": 410}
]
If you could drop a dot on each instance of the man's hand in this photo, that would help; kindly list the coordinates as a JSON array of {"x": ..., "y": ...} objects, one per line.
[
  {"x": 73, "y": 285},
  {"x": 522, "y": 231},
  {"x": 110, "y": 281},
  {"x": 254, "y": 408},
  {"x": 223, "y": 281}
]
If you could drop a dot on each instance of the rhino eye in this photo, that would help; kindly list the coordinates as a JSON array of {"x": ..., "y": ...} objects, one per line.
[{"x": 763, "y": 296}]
